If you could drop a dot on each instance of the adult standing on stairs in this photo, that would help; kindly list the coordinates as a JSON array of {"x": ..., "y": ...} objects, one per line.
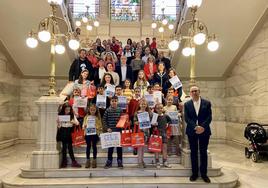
[
  {"x": 80, "y": 64},
  {"x": 198, "y": 116}
]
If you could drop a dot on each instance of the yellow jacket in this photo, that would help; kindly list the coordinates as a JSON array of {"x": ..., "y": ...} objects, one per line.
[{"x": 98, "y": 124}]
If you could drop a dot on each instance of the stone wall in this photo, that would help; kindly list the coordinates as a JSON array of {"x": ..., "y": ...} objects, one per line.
[
  {"x": 215, "y": 92},
  {"x": 247, "y": 88},
  {"x": 31, "y": 90},
  {"x": 9, "y": 100}
]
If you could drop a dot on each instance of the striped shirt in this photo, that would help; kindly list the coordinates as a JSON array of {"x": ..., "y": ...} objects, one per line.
[{"x": 111, "y": 117}]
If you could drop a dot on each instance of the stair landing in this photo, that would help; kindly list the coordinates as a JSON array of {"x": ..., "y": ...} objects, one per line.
[{"x": 227, "y": 179}]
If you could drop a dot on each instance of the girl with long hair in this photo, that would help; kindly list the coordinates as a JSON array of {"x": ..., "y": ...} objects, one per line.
[
  {"x": 93, "y": 127},
  {"x": 65, "y": 129},
  {"x": 141, "y": 82}
]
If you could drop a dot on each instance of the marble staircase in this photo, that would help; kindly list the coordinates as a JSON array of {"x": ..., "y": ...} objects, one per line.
[
  {"x": 73, "y": 178},
  {"x": 130, "y": 176},
  {"x": 44, "y": 171}
]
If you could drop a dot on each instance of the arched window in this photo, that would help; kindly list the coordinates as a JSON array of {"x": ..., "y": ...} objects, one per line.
[
  {"x": 80, "y": 7},
  {"x": 125, "y": 10},
  {"x": 170, "y": 8}
]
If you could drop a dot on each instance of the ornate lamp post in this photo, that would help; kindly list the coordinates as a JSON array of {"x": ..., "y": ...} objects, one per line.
[
  {"x": 89, "y": 19},
  {"x": 162, "y": 23},
  {"x": 48, "y": 30},
  {"x": 197, "y": 35}
]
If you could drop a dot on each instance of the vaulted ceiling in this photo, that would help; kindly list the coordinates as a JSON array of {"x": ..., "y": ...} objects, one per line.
[
  {"x": 17, "y": 19},
  {"x": 235, "y": 22},
  {"x": 232, "y": 20}
]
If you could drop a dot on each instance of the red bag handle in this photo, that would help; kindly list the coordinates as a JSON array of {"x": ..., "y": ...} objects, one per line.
[
  {"x": 136, "y": 128},
  {"x": 156, "y": 132},
  {"x": 77, "y": 128},
  {"x": 127, "y": 128}
]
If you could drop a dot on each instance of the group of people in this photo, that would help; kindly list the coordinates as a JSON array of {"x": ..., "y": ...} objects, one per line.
[{"x": 108, "y": 73}]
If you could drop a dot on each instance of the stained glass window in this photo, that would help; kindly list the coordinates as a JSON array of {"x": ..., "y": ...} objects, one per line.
[
  {"x": 79, "y": 7},
  {"x": 171, "y": 9},
  {"x": 125, "y": 10}
]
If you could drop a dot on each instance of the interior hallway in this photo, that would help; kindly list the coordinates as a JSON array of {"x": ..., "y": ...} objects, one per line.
[{"x": 251, "y": 175}]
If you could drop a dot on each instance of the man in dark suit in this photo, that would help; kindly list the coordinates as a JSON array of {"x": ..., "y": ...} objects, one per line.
[
  {"x": 124, "y": 71},
  {"x": 198, "y": 116}
]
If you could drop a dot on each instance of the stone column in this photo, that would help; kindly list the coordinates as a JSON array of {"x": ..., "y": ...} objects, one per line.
[
  {"x": 104, "y": 9},
  {"x": 47, "y": 155},
  {"x": 146, "y": 8}
]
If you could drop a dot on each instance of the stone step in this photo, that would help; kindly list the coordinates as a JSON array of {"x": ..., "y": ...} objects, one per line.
[
  {"x": 82, "y": 149},
  {"x": 228, "y": 179},
  {"x": 130, "y": 170},
  {"x": 128, "y": 158}
]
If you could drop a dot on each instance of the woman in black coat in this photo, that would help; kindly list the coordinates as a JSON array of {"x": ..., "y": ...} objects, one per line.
[{"x": 161, "y": 77}]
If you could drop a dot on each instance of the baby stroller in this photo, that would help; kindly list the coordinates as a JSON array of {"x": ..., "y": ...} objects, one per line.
[{"x": 257, "y": 136}]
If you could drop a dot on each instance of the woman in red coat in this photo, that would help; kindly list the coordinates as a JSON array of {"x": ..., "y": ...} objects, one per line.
[
  {"x": 92, "y": 58},
  {"x": 150, "y": 68}
]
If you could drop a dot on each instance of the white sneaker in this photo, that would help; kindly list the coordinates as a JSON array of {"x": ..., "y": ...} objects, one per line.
[
  {"x": 158, "y": 165},
  {"x": 165, "y": 164}
]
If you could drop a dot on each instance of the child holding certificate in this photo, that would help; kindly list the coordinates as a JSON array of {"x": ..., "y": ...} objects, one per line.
[
  {"x": 102, "y": 101},
  {"x": 76, "y": 101},
  {"x": 66, "y": 122},
  {"x": 110, "y": 119},
  {"x": 172, "y": 112},
  {"x": 171, "y": 74},
  {"x": 93, "y": 127},
  {"x": 108, "y": 83},
  {"x": 134, "y": 103},
  {"x": 162, "y": 123},
  {"x": 143, "y": 107}
]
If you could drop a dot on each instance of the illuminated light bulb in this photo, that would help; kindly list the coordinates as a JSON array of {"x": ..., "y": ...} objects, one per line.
[
  {"x": 31, "y": 42},
  {"x": 85, "y": 19},
  {"x": 171, "y": 26},
  {"x": 161, "y": 29},
  {"x": 165, "y": 22},
  {"x": 96, "y": 23},
  {"x": 194, "y": 3},
  {"x": 154, "y": 25},
  {"x": 173, "y": 45},
  {"x": 213, "y": 45},
  {"x": 89, "y": 27},
  {"x": 78, "y": 23},
  {"x": 199, "y": 38},
  {"x": 187, "y": 51},
  {"x": 44, "y": 36},
  {"x": 60, "y": 49},
  {"x": 57, "y": 2},
  {"x": 74, "y": 44}
]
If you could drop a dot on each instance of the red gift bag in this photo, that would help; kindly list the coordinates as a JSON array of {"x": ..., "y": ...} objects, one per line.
[
  {"x": 78, "y": 137},
  {"x": 137, "y": 137},
  {"x": 169, "y": 131},
  {"x": 155, "y": 143},
  {"x": 91, "y": 91},
  {"x": 126, "y": 137},
  {"x": 123, "y": 121}
]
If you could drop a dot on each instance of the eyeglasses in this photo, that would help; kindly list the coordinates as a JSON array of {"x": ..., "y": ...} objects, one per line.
[{"x": 194, "y": 91}]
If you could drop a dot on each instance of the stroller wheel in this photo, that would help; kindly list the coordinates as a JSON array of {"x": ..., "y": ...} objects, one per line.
[
  {"x": 255, "y": 157},
  {"x": 247, "y": 153}
]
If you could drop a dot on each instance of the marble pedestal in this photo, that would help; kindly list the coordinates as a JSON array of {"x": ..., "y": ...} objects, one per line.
[
  {"x": 47, "y": 155},
  {"x": 186, "y": 158},
  {"x": 186, "y": 152}
]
